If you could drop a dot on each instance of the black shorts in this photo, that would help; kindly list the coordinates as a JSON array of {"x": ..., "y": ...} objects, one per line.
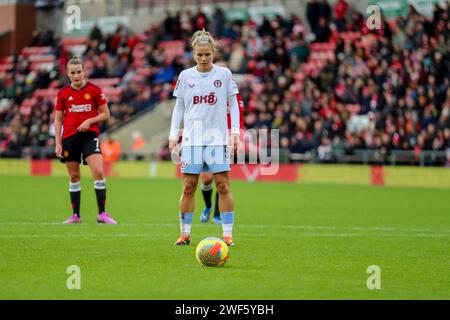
[{"x": 81, "y": 144}]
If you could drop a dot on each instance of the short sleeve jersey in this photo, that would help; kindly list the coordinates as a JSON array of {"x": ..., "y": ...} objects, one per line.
[{"x": 79, "y": 105}]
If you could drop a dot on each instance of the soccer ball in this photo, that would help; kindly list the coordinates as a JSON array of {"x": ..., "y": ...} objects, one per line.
[{"x": 212, "y": 252}]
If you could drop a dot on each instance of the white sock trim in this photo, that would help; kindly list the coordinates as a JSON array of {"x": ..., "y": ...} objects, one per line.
[
  {"x": 207, "y": 187},
  {"x": 227, "y": 230},
  {"x": 74, "y": 186},
  {"x": 100, "y": 184}
]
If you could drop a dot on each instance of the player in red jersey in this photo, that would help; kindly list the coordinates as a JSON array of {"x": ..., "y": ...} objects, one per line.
[
  {"x": 207, "y": 178},
  {"x": 80, "y": 107}
]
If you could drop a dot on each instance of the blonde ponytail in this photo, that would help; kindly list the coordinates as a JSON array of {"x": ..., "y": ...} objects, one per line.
[{"x": 203, "y": 38}]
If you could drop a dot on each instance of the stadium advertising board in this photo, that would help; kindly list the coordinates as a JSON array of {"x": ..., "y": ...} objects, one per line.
[
  {"x": 256, "y": 13},
  {"x": 395, "y": 8},
  {"x": 106, "y": 25}
]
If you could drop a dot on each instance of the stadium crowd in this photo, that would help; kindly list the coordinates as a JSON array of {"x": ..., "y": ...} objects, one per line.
[{"x": 386, "y": 89}]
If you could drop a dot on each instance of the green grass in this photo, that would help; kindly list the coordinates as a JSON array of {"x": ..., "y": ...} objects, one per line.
[{"x": 293, "y": 241}]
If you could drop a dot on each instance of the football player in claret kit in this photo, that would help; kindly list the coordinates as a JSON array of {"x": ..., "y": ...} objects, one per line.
[
  {"x": 80, "y": 107},
  {"x": 202, "y": 93}
]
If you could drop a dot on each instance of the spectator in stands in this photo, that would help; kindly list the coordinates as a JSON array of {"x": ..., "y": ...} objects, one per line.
[
  {"x": 322, "y": 31},
  {"x": 200, "y": 21},
  {"x": 298, "y": 29},
  {"x": 237, "y": 58},
  {"x": 325, "y": 10},
  {"x": 43, "y": 38},
  {"x": 169, "y": 27},
  {"x": 218, "y": 23},
  {"x": 395, "y": 80},
  {"x": 96, "y": 34},
  {"x": 265, "y": 28},
  {"x": 340, "y": 11},
  {"x": 234, "y": 31},
  {"x": 312, "y": 12},
  {"x": 437, "y": 13},
  {"x": 99, "y": 70}
]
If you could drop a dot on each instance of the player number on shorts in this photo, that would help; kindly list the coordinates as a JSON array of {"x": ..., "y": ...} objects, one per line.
[{"x": 97, "y": 144}]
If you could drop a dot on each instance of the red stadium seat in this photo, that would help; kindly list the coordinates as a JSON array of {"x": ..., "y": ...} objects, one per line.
[
  {"x": 54, "y": 84},
  {"x": 113, "y": 94},
  {"x": 392, "y": 24},
  {"x": 45, "y": 93},
  {"x": 350, "y": 36},
  {"x": 5, "y": 67},
  {"x": 29, "y": 51},
  {"x": 42, "y": 65},
  {"x": 7, "y": 59},
  {"x": 25, "y": 110},
  {"x": 74, "y": 41},
  {"x": 321, "y": 55},
  {"x": 319, "y": 64},
  {"x": 322, "y": 46},
  {"x": 77, "y": 44},
  {"x": 353, "y": 108},
  {"x": 39, "y": 61},
  {"x": 28, "y": 103},
  {"x": 330, "y": 46},
  {"x": 309, "y": 68},
  {"x": 299, "y": 76},
  {"x": 334, "y": 37},
  {"x": 41, "y": 58},
  {"x": 172, "y": 48}
]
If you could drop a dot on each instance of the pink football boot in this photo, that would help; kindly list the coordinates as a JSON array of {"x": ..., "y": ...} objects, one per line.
[
  {"x": 73, "y": 219},
  {"x": 104, "y": 217}
]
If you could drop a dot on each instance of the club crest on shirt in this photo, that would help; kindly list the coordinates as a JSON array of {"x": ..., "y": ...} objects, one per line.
[
  {"x": 217, "y": 83},
  {"x": 87, "y": 96}
]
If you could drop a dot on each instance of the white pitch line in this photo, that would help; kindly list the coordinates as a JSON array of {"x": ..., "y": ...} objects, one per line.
[
  {"x": 263, "y": 226},
  {"x": 153, "y": 235},
  {"x": 118, "y": 235}
]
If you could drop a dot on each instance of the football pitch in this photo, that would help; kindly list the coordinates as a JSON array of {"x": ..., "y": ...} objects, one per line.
[{"x": 293, "y": 241}]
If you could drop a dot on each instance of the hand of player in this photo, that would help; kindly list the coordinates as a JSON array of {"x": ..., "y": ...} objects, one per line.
[
  {"x": 58, "y": 150},
  {"x": 172, "y": 145},
  {"x": 174, "y": 148},
  {"x": 174, "y": 151},
  {"x": 234, "y": 143},
  {"x": 84, "y": 126}
]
